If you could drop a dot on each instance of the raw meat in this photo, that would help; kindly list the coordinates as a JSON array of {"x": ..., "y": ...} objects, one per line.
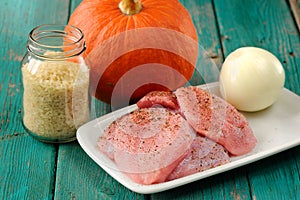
[
  {"x": 216, "y": 119},
  {"x": 147, "y": 144},
  {"x": 158, "y": 99},
  {"x": 158, "y": 142},
  {"x": 204, "y": 154}
]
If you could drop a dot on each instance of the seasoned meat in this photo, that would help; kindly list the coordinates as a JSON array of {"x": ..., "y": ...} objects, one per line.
[
  {"x": 204, "y": 154},
  {"x": 147, "y": 144},
  {"x": 175, "y": 134},
  {"x": 159, "y": 99},
  {"x": 213, "y": 117}
]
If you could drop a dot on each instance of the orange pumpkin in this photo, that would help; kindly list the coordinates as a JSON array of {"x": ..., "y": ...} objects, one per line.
[{"x": 134, "y": 47}]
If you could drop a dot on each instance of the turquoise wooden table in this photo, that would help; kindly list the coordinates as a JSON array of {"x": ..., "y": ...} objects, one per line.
[{"x": 30, "y": 169}]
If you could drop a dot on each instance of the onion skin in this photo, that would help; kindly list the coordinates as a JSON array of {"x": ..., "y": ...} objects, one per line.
[{"x": 251, "y": 79}]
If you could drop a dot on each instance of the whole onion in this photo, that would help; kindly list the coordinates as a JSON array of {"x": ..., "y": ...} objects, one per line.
[{"x": 251, "y": 79}]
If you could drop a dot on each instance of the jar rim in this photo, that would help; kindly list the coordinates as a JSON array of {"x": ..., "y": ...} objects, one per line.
[
  {"x": 55, "y": 29},
  {"x": 64, "y": 40}
]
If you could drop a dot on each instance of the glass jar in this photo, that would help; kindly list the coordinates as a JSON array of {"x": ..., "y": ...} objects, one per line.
[{"x": 55, "y": 80}]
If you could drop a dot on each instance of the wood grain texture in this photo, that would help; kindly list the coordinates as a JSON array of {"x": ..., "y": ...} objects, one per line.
[
  {"x": 30, "y": 169},
  {"x": 295, "y": 6},
  {"x": 203, "y": 16},
  {"x": 14, "y": 34},
  {"x": 210, "y": 55},
  {"x": 265, "y": 24},
  {"x": 280, "y": 175},
  {"x": 229, "y": 185},
  {"x": 78, "y": 176},
  {"x": 27, "y": 167},
  {"x": 269, "y": 25}
]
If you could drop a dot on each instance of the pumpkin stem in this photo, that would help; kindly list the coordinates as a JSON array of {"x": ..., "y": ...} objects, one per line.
[{"x": 130, "y": 7}]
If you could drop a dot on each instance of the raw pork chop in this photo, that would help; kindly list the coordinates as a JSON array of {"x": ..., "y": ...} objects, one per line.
[
  {"x": 203, "y": 154},
  {"x": 158, "y": 99},
  {"x": 216, "y": 119},
  {"x": 147, "y": 144}
]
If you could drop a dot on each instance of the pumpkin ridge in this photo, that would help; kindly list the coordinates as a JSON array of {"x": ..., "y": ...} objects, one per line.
[
  {"x": 121, "y": 71},
  {"x": 113, "y": 73}
]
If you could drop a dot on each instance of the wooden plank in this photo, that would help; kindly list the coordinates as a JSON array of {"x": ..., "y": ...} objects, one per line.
[
  {"x": 230, "y": 185},
  {"x": 14, "y": 36},
  {"x": 203, "y": 17},
  {"x": 210, "y": 53},
  {"x": 264, "y": 24},
  {"x": 295, "y": 6},
  {"x": 276, "y": 177},
  {"x": 27, "y": 166},
  {"x": 78, "y": 176},
  {"x": 205, "y": 23},
  {"x": 269, "y": 25}
]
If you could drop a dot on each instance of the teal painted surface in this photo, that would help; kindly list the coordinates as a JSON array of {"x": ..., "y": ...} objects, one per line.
[
  {"x": 269, "y": 25},
  {"x": 210, "y": 53},
  {"x": 91, "y": 181},
  {"x": 280, "y": 173},
  {"x": 27, "y": 167},
  {"x": 33, "y": 170},
  {"x": 266, "y": 24},
  {"x": 78, "y": 177}
]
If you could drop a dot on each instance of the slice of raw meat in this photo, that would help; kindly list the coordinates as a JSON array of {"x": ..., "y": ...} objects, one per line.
[
  {"x": 204, "y": 154},
  {"x": 216, "y": 119},
  {"x": 159, "y": 99},
  {"x": 147, "y": 144}
]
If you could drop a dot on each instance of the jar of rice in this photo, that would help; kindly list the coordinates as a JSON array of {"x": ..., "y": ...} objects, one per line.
[{"x": 55, "y": 81}]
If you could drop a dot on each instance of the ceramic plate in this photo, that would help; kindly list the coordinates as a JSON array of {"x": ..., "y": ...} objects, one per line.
[{"x": 276, "y": 129}]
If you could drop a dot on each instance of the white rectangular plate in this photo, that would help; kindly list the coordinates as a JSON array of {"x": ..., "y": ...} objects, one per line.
[{"x": 276, "y": 128}]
